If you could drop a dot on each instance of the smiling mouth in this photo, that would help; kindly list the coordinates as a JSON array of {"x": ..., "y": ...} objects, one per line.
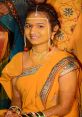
[{"x": 34, "y": 37}]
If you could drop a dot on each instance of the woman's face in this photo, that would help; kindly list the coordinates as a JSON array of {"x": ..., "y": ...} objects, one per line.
[{"x": 37, "y": 28}]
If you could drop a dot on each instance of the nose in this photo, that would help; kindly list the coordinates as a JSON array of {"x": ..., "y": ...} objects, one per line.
[{"x": 33, "y": 30}]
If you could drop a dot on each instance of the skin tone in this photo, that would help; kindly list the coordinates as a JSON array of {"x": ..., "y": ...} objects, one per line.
[{"x": 38, "y": 33}]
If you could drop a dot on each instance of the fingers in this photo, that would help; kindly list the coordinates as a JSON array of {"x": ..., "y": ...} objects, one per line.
[
  {"x": 11, "y": 114},
  {"x": 8, "y": 114}
]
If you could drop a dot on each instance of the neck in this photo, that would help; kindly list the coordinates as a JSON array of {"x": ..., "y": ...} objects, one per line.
[
  {"x": 39, "y": 53},
  {"x": 40, "y": 48}
]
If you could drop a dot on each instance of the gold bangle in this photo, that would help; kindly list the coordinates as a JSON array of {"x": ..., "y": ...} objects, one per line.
[
  {"x": 15, "y": 109},
  {"x": 31, "y": 114},
  {"x": 25, "y": 115}
]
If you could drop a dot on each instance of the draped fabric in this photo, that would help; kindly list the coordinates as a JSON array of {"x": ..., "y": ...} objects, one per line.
[
  {"x": 12, "y": 41},
  {"x": 13, "y": 24},
  {"x": 70, "y": 36},
  {"x": 39, "y": 89},
  {"x": 10, "y": 22},
  {"x": 70, "y": 15}
]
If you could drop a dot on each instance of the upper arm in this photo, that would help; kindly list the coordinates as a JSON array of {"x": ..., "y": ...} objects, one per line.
[
  {"x": 16, "y": 96},
  {"x": 67, "y": 88},
  {"x": 14, "y": 88}
]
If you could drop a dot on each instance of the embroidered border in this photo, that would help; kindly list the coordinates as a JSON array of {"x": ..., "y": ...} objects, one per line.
[
  {"x": 49, "y": 82},
  {"x": 68, "y": 68},
  {"x": 29, "y": 71}
]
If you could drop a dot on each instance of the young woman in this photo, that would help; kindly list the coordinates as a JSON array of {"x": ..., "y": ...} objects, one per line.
[
  {"x": 43, "y": 81},
  {"x": 12, "y": 12}
]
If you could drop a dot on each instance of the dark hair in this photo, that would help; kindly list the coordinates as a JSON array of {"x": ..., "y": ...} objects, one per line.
[{"x": 48, "y": 10}]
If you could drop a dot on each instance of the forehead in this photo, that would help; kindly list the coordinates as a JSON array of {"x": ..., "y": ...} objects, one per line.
[{"x": 37, "y": 17}]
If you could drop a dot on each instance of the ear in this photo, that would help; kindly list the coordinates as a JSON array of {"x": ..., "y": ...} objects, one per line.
[{"x": 55, "y": 29}]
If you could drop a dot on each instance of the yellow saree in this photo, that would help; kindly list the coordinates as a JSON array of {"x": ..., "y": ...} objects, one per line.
[
  {"x": 70, "y": 36},
  {"x": 39, "y": 85}
]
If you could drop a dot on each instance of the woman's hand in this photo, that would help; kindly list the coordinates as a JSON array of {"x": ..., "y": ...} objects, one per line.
[
  {"x": 3, "y": 9},
  {"x": 12, "y": 114}
]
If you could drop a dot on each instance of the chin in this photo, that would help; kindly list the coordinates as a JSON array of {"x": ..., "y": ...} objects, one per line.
[{"x": 34, "y": 42}]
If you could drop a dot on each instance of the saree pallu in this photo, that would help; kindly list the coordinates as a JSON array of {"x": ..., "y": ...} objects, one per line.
[{"x": 39, "y": 85}]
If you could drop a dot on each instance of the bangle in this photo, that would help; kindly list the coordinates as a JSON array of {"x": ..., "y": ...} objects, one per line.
[
  {"x": 31, "y": 114},
  {"x": 16, "y": 109},
  {"x": 24, "y": 115},
  {"x": 40, "y": 114}
]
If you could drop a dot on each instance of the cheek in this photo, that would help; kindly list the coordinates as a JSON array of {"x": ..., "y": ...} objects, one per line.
[{"x": 47, "y": 33}]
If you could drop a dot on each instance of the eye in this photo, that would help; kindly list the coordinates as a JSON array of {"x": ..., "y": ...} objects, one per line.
[
  {"x": 41, "y": 26},
  {"x": 28, "y": 26}
]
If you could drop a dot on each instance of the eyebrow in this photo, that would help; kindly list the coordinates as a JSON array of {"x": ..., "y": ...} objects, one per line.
[{"x": 36, "y": 23}]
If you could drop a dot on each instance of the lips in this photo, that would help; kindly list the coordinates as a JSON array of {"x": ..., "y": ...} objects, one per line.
[{"x": 33, "y": 37}]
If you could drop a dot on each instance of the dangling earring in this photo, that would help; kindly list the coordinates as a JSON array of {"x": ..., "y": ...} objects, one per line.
[
  {"x": 49, "y": 43},
  {"x": 25, "y": 48}
]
